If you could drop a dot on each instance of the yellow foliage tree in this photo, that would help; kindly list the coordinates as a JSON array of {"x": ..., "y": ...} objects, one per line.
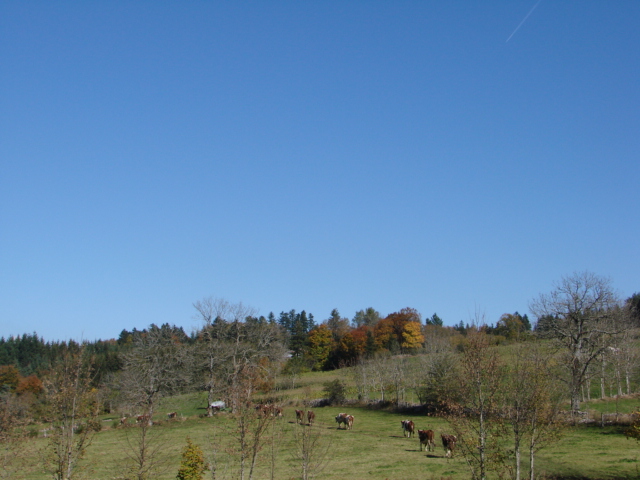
[
  {"x": 320, "y": 345},
  {"x": 412, "y": 337}
]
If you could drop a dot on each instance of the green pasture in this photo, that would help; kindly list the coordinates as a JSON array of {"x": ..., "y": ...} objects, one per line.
[{"x": 374, "y": 449}]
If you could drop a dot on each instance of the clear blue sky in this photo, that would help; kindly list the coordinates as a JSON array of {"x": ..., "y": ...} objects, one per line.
[{"x": 444, "y": 156}]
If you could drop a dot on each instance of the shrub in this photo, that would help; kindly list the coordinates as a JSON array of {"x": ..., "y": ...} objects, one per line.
[
  {"x": 192, "y": 466},
  {"x": 335, "y": 391}
]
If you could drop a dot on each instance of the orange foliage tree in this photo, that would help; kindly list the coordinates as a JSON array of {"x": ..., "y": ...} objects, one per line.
[
  {"x": 399, "y": 331},
  {"x": 30, "y": 384}
]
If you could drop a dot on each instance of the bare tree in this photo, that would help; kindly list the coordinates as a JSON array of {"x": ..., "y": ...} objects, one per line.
[
  {"x": 361, "y": 377},
  {"x": 582, "y": 316},
  {"x": 236, "y": 346},
  {"x": 215, "y": 314},
  {"x": 476, "y": 417},
  {"x": 397, "y": 370},
  {"x": 144, "y": 450},
  {"x": 250, "y": 435},
  {"x": 156, "y": 366},
  {"x": 275, "y": 438},
  {"x": 312, "y": 451},
  {"x": 73, "y": 408},
  {"x": 380, "y": 373},
  {"x": 531, "y": 403}
]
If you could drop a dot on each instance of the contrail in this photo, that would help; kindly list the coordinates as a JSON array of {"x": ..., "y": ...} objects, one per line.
[{"x": 523, "y": 20}]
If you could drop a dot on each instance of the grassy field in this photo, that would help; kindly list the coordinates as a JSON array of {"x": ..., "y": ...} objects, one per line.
[{"x": 374, "y": 449}]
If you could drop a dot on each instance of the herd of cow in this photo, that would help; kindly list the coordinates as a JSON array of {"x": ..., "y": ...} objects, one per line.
[
  {"x": 427, "y": 438},
  {"x": 344, "y": 419},
  {"x": 311, "y": 416}
]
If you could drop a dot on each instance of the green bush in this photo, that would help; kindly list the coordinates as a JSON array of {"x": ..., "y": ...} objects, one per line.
[
  {"x": 192, "y": 466},
  {"x": 335, "y": 391}
]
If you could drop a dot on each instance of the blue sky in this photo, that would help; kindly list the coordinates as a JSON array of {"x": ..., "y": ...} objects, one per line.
[{"x": 305, "y": 155}]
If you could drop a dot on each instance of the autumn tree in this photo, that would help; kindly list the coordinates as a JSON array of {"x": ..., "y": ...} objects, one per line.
[
  {"x": 582, "y": 317},
  {"x": 30, "y": 385},
  {"x": 320, "y": 346},
  {"x": 399, "y": 331},
  {"x": 412, "y": 337},
  {"x": 512, "y": 326},
  {"x": 349, "y": 348}
]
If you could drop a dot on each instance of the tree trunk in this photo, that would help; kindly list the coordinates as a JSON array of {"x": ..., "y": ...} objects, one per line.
[
  {"x": 516, "y": 448},
  {"x": 602, "y": 375},
  {"x": 482, "y": 447},
  {"x": 531, "y": 459}
]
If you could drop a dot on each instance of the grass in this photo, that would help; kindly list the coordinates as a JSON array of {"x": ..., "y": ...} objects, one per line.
[{"x": 374, "y": 449}]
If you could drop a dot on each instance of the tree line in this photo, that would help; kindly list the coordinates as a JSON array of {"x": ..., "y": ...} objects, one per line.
[{"x": 588, "y": 334}]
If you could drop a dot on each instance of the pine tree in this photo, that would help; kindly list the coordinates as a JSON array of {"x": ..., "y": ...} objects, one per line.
[{"x": 192, "y": 466}]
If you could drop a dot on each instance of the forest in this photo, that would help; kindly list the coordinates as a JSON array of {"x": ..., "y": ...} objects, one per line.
[{"x": 506, "y": 390}]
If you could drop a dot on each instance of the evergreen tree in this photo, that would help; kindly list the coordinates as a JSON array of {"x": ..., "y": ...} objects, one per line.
[
  {"x": 192, "y": 466},
  {"x": 434, "y": 320}
]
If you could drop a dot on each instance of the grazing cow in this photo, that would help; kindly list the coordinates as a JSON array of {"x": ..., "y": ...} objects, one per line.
[
  {"x": 449, "y": 444},
  {"x": 311, "y": 416},
  {"x": 123, "y": 421},
  {"x": 268, "y": 409},
  {"x": 141, "y": 419},
  {"x": 350, "y": 422},
  {"x": 408, "y": 428},
  {"x": 342, "y": 418},
  {"x": 427, "y": 439},
  {"x": 264, "y": 409},
  {"x": 299, "y": 416},
  {"x": 172, "y": 415}
]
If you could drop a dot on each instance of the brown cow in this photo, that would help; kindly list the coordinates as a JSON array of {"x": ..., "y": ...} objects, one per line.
[
  {"x": 264, "y": 409},
  {"x": 350, "y": 422},
  {"x": 311, "y": 416},
  {"x": 172, "y": 415},
  {"x": 408, "y": 428},
  {"x": 299, "y": 416},
  {"x": 449, "y": 444},
  {"x": 141, "y": 419},
  {"x": 427, "y": 439}
]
